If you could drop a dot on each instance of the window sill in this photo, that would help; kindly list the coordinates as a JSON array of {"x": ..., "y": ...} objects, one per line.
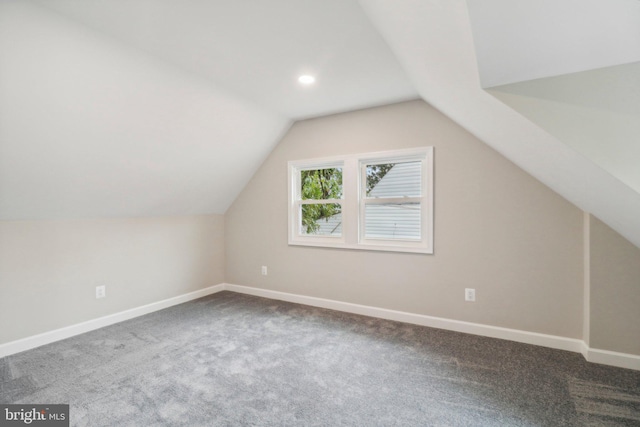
[{"x": 386, "y": 247}]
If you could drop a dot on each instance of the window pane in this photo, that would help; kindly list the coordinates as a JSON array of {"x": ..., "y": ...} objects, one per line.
[
  {"x": 321, "y": 184},
  {"x": 321, "y": 219},
  {"x": 392, "y": 221},
  {"x": 394, "y": 179}
]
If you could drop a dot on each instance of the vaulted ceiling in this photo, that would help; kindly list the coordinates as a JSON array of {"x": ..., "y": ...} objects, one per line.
[{"x": 166, "y": 107}]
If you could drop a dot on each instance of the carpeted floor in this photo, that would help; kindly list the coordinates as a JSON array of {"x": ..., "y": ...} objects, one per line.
[{"x": 231, "y": 359}]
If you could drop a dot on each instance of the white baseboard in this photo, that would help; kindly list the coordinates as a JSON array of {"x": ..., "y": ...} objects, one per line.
[
  {"x": 90, "y": 325},
  {"x": 621, "y": 360},
  {"x": 604, "y": 357},
  {"x": 612, "y": 358},
  {"x": 584, "y": 350},
  {"x": 552, "y": 341}
]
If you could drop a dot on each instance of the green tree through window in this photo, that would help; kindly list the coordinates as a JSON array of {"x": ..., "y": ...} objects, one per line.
[{"x": 320, "y": 184}]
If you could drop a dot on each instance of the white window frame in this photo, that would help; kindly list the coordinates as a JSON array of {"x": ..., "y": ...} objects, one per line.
[
  {"x": 354, "y": 201},
  {"x": 296, "y": 202}
]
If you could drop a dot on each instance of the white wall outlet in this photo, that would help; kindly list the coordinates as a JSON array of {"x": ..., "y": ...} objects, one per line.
[
  {"x": 469, "y": 294},
  {"x": 101, "y": 291},
  {"x": 264, "y": 270}
]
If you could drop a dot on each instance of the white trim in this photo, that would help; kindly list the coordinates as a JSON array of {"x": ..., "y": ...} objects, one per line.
[
  {"x": 353, "y": 204},
  {"x": 586, "y": 263},
  {"x": 424, "y": 155},
  {"x": 584, "y": 350},
  {"x": 605, "y": 357},
  {"x": 320, "y": 202},
  {"x": 34, "y": 341},
  {"x": 552, "y": 341},
  {"x": 612, "y": 358}
]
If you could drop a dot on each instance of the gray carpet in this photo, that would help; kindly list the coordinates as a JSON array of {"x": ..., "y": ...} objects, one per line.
[{"x": 231, "y": 359}]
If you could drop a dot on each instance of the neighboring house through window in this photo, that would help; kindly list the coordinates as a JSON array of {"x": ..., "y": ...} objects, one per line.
[{"x": 373, "y": 201}]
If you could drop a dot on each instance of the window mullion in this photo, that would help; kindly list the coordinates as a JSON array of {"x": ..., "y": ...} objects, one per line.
[
  {"x": 362, "y": 194},
  {"x": 350, "y": 202}
]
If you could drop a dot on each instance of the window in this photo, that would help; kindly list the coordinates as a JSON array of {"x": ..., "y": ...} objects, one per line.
[
  {"x": 374, "y": 201},
  {"x": 319, "y": 201}
]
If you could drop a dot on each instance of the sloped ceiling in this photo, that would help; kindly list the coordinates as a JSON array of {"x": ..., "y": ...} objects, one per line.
[
  {"x": 257, "y": 49},
  {"x": 572, "y": 67},
  {"x": 595, "y": 112},
  {"x": 434, "y": 42},
  {"x": 164, "y": 107},
  {"x": 520, "y": 40}
]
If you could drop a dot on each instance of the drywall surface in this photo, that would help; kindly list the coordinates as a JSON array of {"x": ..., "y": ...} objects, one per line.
[
  {"x": 497, "y": 230},
  {"x": 596, "y": 112},
  {"x": 49, "y": 269},
  {"x": 615, "y": 291},
  {"x": 434, "y": 43},
  {"x": 93, "y": 128}
]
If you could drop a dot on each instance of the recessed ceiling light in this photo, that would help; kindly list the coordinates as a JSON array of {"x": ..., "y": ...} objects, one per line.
[{"x": 306, "y": 79}]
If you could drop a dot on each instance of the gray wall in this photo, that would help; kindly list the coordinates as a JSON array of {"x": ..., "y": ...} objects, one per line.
[
  {"x": 49, "y": 269},
  {"x": 496, "y": 229},
  {"x": 615, "y": 291}
]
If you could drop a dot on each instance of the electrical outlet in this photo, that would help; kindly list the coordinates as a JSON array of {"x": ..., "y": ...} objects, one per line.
[
  {"x": 101, "y": 291},
  {"x": 264, "y": 270},
  {"x": 469, "y": 294}
]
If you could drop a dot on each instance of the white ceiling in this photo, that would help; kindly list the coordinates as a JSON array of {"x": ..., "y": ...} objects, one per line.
[
  {"x": 91, "y": 128},
  {"x": 256, "y": 49},
  {"x": 434, "y": 42},
  {"x": 167, "y": 107},
  {"x": 585, "y": 109},
  {"x": 518, "y": 40}
]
